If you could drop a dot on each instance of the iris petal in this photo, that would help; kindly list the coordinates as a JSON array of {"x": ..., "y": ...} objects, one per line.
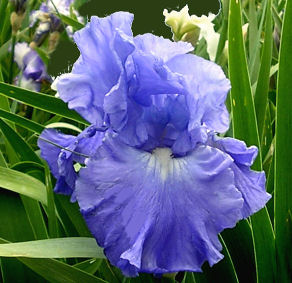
[
  {"x": 155, "y": 213},
  {"x": 104, "y": 44},
  {"x": 250, "y": 183},
  {"x": 207, "y": 89},
  {"x": 59, "y": 151},
  {"x": 152, "y": 76}
]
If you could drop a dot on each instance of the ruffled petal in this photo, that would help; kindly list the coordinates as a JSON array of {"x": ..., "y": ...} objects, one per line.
[
  {"x": 104, "y": 44},
  {"x": 250, "y": 183},
  {"x": 155, "y": 213},
  {"x": 49, "y": 151},
  {"x": 161, "y": 47},
  {"x": 59, "y": 150},
  {"x": 207, "y": 89},
  {"x": 238, "y": 150},
  {"x": 152, "y": 76}
]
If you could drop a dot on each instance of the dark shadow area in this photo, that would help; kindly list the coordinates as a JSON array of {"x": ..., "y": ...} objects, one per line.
[
  {"x": 148, "y": 18},
  {"x": 148, "y": 14}
]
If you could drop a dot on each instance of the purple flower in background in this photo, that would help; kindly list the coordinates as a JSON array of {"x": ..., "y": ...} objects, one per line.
[
  {"x": 49, "y": 18},
  {"x": 32, "y": 67},
  {"x": 158, "y": 186}
]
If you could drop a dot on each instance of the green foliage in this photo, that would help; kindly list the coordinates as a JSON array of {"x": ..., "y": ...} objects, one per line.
[
  {"x": 44, "y": 237},
  {"x": 283, "y": 153}
]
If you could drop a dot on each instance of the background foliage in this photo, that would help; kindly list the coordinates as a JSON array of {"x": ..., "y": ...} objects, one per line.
[{"x": 43, "y": 236}]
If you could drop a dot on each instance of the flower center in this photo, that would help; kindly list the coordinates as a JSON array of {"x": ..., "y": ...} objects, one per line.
[{"x": 162, "y": 160}]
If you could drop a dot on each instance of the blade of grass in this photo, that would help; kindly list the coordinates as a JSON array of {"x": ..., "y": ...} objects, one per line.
[
  {"x": 4, "y": 104},
  {"x": 56, "y": 271},
  {"x": 261, "y": 93},
  {"x": 283, "y": 153},
  {"x": 73, "y": 212},
  {"x": 51, "y": 211},
  {"x": 32, "y": 207},
  {"x": 252, "y": 27},
  {"x": 90, "y": 266},
  {"x": 277, "y": 19},
  {"x": 14, "y": 225},
  {"x": 223, "y": 32},
  {"x": 21, "y": 121},
  {"x": 80, "y": 247},
  {"x": 223, "y": 269},
  {"x": 245, "y": 128},
  {"x": 64, "y": 125},
  {"x": 41, "y": 101},
  {"x": 3, "y": 5},
  {"x": 71, "y": 22},
  {"x": 254, "y": 62},
  {"x": 23, "y": 184},
  {"x": 23, "y": 150},
  {"x": 189, "y": 278}
]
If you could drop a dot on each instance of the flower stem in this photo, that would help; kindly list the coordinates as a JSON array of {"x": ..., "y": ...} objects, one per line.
[{"x": 10, "y": 78}]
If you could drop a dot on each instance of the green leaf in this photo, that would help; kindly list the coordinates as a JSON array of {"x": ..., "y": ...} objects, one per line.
[
  {"x": 64, "y": 125},
  {"x": 240, "y": 246},
  {"x": 14, "y": 225},
  {"x": 24, "y": 151},
  {"x": 3, "y": 5},
  {"x": 283, "y": 152},
  {"x": 254, "y": 42},
  {"x": 54, "y": 248},
  {"x": 56, "y": 271},
  {"x": 90, "y": 266},
  {"x": 2, "y": 160},
  {"x": 42, "y": 101},
  {"x": 21, "y": 121},
  {"x": 71, "y": 22},
  {"x": 4, "y": 103},
  {"x": 262, "y": 89},
  {"x": 245, "y": 128},
  {"x": 241, "y": 96},
  {"x": 32, "y": 207},
  {"x": 189, "y": 278},
  {"x": 223, "y": 31},
  {"x": 277, "y": 19},
  {"x": 223, "y": 268},
  {"x": 23, "y": 184},
  {"x": 252, "y": 28},
  {"x": 73, "y": 212},
  {"x": 51, "y": 207}
]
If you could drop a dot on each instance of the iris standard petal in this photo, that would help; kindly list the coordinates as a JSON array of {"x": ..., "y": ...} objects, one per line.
[
  {"x": 161, "y": 47},
  {"x": 207, "y": 89},
  {"x": 152, "y": 76},
  {"x": 250, "y": 183},
  {"x": 104, "y": 44},
  {"x": 155, "y": 213}
]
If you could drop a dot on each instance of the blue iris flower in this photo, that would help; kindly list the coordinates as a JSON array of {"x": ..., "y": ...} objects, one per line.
[
  {"x": 158, "y": 185},
  {"x": 32, "y": 67}
]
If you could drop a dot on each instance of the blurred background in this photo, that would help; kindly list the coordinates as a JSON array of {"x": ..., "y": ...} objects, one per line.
[{"x": 148, "y": 18}]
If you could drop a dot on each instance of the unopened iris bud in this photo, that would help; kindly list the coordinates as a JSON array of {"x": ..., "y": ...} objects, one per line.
[
  {"x": 53, "y": 40},
  {"x": 19, "y": 6},
  {"x": 17, "y": 15},
  {"x": 192, "y": 28},
  {"x": 41, "y": 32},
  {"x": 181, "y": 23}
]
